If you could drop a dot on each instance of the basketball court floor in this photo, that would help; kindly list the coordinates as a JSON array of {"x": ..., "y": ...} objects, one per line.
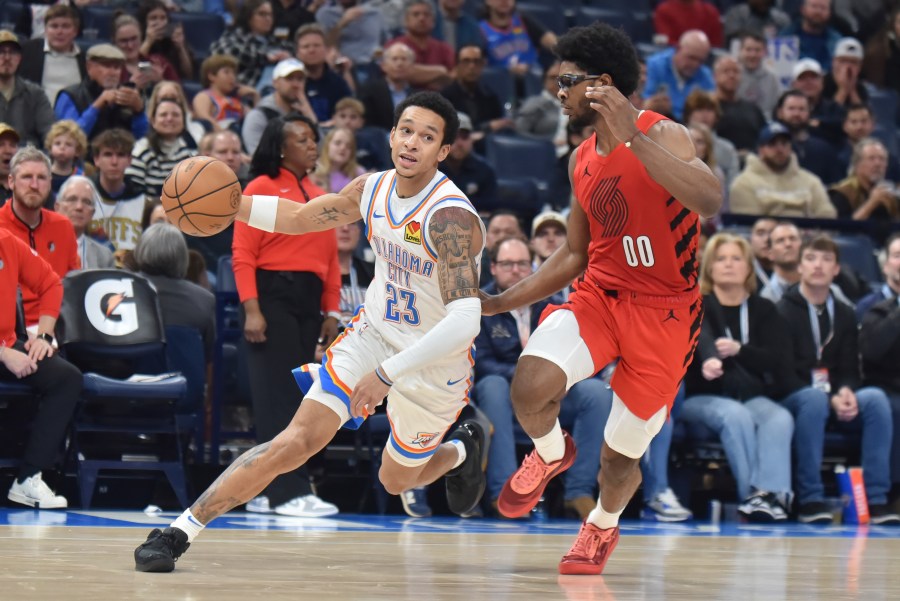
[{"x": 77, "y": 555}]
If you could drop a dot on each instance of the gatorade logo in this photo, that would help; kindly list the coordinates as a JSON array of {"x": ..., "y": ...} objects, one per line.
[
  {"x": 109, "y": 306},
  {"x": 413, "y": 232}
]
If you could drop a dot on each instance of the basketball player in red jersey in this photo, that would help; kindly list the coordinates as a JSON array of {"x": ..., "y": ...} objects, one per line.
[{"x": 632, "y": 237}]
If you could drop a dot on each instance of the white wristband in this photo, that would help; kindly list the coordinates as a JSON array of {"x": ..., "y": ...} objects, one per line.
[{"x": 263, "y": 212}]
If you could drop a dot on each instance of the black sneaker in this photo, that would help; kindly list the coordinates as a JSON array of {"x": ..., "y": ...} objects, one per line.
[
  {"x": 883, "y": 515},
  {"x": 762, "y": 508},
  {"x": 161, "y": 550},
  {"x": 466, "y": 483},
  {"x": 815, "y": 512}
]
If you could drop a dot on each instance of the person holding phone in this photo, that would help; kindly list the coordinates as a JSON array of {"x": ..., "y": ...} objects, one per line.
[
  {"x": 145, "y": 71},
  {"x": 165, "y": 38},
  {"x": 101, "y": 102}
]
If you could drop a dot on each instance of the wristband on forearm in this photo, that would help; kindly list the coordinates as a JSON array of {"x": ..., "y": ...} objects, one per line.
[
  {"x": 381, "y": 376},
  {"x": 263, "y": 212}
]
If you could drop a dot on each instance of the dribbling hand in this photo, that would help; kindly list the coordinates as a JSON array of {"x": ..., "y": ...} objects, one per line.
[
  {"x": 368, "y": 394},
  {"x": 616, "y": 110}
]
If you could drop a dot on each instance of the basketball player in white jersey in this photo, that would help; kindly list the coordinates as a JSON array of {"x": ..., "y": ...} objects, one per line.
[{"x": 410, "y": 343}]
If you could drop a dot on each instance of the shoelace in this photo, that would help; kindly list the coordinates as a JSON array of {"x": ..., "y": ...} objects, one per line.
[
  {"x": 586, "y": 544},
  {"x": 530, "y": 474}
]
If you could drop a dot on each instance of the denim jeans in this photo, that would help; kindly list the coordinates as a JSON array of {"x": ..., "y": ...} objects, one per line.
[
  {"x": 756, "y": 435},
  {"x": 583, "y": 412},
  {"x": 655, "y": 462},
  {"x": 811, "y": 409}
]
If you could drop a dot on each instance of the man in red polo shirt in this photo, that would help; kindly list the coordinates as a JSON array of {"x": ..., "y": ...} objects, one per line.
[{"x": 49, "y": 234}]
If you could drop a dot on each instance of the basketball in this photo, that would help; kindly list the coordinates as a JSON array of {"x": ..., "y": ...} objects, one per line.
[{"x": 201, "y": 196}]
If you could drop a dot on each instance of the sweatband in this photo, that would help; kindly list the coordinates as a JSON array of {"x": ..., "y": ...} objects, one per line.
[
  {"x": 451, "y": 335},
  {"x": 263, "y": 212}
]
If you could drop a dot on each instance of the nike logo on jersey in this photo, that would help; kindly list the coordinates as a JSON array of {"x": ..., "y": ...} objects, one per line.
[
  {"x": 377, "y": 216},
  {"x": 455, "y": 382}
]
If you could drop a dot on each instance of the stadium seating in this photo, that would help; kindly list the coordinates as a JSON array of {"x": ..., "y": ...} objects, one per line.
[
  {"x": 547, "y": 14},
  {"x": 111, "y": 328},
  {"x": 518, "y": 157},
  {"x": 200, "y": 31}
]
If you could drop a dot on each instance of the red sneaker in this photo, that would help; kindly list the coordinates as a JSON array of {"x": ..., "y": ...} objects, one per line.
[
  {"x": 524, "y": 488},
  {"x": 590, "y": 550}
]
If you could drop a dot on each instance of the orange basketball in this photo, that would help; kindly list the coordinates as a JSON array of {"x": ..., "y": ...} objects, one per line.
[{"x": 201, "y": 196}]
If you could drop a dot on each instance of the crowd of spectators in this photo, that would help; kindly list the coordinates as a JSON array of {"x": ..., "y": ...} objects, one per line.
[{"x": 299, "y": 94}]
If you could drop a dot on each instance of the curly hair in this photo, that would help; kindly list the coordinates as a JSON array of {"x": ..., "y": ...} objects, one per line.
[
  {"x": 67, "y": 127},
  {"x": 599, "y": 48},
  {"x": 435, "y": 103}
]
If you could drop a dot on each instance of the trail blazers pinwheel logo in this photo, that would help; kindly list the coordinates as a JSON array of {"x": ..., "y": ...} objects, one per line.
[
  {"x": 413, "y": 232},
  {"x": 109, "y": 306}
]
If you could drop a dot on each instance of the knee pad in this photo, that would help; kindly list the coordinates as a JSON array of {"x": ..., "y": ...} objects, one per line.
[{"x": 628, "y": 434}]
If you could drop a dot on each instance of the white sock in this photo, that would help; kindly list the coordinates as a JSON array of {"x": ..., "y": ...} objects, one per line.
[
  {"x": 461, "y": 450},
  {"x": 188, "y": 524},
  {"x": 603, "y": 519},
  {"x": 552, "y": 446}
]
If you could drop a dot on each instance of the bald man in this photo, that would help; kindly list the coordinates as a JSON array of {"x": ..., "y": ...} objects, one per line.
[
  {"x": 674, "y": 72},
  {"x": 741, "y": 121}
]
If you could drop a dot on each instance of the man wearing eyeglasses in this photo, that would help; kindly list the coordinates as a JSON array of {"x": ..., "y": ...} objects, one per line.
[
  {"x": 23, "y": 104},
  {"x": 77, "y": 200},
  {"x": 499, "y": 344},
  {"x": 632, "y": 237}
]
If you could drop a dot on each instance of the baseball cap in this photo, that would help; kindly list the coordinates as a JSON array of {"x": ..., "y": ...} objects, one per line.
[
  {"x": 6, "y": 128},
  {"x": 772, "y": 131},
  {"x": 8, "y": 37},
  {"x": 465, "y": 122},
  {"x": 545, "y": 218},
  {"x": 806, "y": 65},
  {"x": 105, "y": 52},
  {"x": 848, "y": 48},
  {"x": 287, "y": 67}
]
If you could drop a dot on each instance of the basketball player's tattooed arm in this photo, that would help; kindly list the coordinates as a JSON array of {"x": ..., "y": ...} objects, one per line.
[
  {"x": 557, "y": 272},
  {"x": 457, "y": 239},
  {"x": 216, "y": 500},
  {"x": 319, "y": 214}
]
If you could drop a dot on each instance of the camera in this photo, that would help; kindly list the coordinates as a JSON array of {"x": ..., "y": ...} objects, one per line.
[{"x": 145, "y": 66}]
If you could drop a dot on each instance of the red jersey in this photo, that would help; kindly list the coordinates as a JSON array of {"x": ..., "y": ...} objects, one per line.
[
  {"x": 20, "y": 265},
  {"x": 642, "y": 239},
  {"x": 54, "y": 241}
]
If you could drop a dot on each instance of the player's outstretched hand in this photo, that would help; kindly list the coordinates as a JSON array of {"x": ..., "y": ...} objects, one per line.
[
  {"x": 617, "y": 111},
  {"x": 367, "y": 395},
  {"x": 490, "y": 305}
]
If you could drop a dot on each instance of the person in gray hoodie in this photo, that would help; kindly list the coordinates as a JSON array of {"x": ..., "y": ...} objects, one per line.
[{"x": 23, "y": 105}]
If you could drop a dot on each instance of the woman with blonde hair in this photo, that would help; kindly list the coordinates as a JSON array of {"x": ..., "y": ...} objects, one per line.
[
  {"x": 737, "y": 370},
  {"x": 172, "y": 90},
  {"x": 337, "y": 162}
]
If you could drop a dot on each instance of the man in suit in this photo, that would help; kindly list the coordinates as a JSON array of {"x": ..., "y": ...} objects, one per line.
[
  {"x": 381, "y": 95},
  {"x": 55, "y": 61},
  {"x": 77, "y": 200}
]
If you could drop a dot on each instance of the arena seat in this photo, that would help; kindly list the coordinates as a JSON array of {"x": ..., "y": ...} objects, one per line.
[{"x": 111, "y": 328}]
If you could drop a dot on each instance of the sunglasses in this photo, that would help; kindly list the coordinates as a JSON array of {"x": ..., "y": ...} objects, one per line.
[{"x": 568, "y": 80}]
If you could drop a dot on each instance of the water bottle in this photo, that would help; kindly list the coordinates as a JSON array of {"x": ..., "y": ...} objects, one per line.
[{"x": 539, "y": 512}]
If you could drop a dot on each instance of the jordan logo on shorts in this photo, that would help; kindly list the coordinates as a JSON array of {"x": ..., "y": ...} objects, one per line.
[{"x": 671, "y": 315}]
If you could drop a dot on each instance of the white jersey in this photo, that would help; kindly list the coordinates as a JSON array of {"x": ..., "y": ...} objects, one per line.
[{"x": 404, "y": 301}]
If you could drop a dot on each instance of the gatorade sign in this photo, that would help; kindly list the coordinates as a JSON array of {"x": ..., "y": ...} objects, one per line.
[{"x": 110, "y": 307}]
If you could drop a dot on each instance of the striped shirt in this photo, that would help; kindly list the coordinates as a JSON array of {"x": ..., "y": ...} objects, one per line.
[{"x": 149, "y": 169}]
